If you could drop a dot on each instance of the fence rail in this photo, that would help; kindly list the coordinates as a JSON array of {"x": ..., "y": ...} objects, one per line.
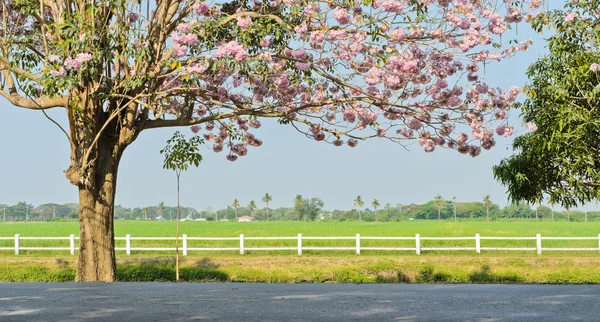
[{"x": 418, "y": 242}]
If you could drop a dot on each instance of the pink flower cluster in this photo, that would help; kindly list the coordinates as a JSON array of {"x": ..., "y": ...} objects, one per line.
[
  {"x": 243, "y": 21},
  {"x": 233, "y": 49},
  {"x": 595, "y": 67}
]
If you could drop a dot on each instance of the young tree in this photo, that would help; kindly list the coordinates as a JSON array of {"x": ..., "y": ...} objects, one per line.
[
  {"x": 375, "y": 205},
  {"x": 235, "y": 206},
  {"x": 335, "y": 71},
  {"x": 266, "y": 199},
  {"x": 487, "y": 203},
  {"x": 180, "y": 153},
  {"x": 438, "y": 202},
  {"x": 359, "y": 203},
  {"x": 558, "y": 157}
]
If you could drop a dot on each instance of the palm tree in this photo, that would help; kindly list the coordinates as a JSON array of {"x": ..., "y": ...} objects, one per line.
[
  {"x": 235, "y": 206},
  {"x": 438, "y": 201},
  {"x": 487, "y": 203},
  {"x": 145, "y": 213},
  {"x": 266, "y": 199},
  {"x": 375, "y": 205},
  {"x": 358, "y": 202},
  {"x": 252, "y": 206},
  {"x": 161, "y": 207}
]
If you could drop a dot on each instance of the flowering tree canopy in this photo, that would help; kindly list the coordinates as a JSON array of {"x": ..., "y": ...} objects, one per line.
[
  {"x": 337, "y": 71},
  {"x": 561, "y": 160}
]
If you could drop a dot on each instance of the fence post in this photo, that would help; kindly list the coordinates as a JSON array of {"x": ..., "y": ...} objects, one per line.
[
  {"x": 477, "y": 243},
  {"x": 17, "y": 244},
  {"x": 241, "y": 244},
  {"x": 128, "y": 244},
  {"x": 72, "y": 244},
  {"x": 539, "y": 243},
  {"x": 358, "y": 244},
  {"x": 418, "y": 243},
  {"x": 185, "y": 245},
  {"x": 299, "y": 244}
]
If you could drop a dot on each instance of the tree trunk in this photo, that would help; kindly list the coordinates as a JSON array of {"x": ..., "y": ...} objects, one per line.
[{"x": 96, "y": 262}]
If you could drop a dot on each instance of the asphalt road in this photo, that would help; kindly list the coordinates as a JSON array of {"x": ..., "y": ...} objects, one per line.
[{"x": 297, "y": 302}]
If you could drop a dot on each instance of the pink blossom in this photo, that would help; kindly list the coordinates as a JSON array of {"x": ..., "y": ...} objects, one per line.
[
  {"x": 302, "y": 66},
  {"x": 201, "y": 8},
  {"x": 352, "y": 143},
  {"x": 341, "y": 15},
  {"x": 53, "y": 58},
  {"x": 243, "y": 21},
  {"x": 60, "y": 72},
  {"x": 197, "y": 68},
  {"x": 232, "y": 157},
  {"x": 84, "y": 57},
  {"x": 266, "y": 42},
  {"x": 195, "y": 128},
  {"x": 233, "y": 49},
  {"x": 179, "y": 51},
  {"x": 462, "y": 138},
  {"x": 595, "y": 67},
  {"x": 184, "y": 28},
  {"x": 570, "y": 16},
  {"x": 532, "y": 126},
  {"x": 73, "y": 64},
  {"x": 393, "y": 5}
]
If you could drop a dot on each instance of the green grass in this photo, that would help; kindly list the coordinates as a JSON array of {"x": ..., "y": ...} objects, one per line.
[
  {"x": 256, "y": 229},
  {"x": 293, "y": 269}
]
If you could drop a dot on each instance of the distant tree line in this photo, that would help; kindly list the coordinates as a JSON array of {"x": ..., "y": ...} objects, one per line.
[{"x": 311, "y": 209}]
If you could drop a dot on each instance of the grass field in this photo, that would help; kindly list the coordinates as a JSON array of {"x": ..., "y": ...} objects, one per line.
[
  {"x": 321, "y": 266},
  {"x": 280, "y": 229}
]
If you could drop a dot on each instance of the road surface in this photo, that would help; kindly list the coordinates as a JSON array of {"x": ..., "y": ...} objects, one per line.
[{"x": 296, "y": 302}]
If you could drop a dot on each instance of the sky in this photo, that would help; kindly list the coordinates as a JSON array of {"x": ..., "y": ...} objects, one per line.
[{"x": 34, "y": 153}]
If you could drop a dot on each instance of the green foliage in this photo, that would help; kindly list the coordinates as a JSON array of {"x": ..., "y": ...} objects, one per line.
[
  {"x": 180, "y": 152},
  {"x": 561, "y": 160}
]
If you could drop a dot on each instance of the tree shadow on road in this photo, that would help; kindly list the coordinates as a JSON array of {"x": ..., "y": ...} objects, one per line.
[
  {"x": 485, "y": 275},
  {"x": 162, "y": 269}
]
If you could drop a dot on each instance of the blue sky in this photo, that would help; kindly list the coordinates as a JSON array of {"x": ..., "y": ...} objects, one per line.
[{"x": 35, "y": 153}]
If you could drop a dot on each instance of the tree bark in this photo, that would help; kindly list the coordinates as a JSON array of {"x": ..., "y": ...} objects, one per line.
[{"x": 96, "y": 261}]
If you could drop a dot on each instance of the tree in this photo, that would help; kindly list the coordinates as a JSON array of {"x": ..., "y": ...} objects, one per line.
[
  {"x": 375, "y": 205},
  {"x": 161, "y": 208},
  {"x": 235, "y": 206},
  {"x": 438, "y": 202},
  {"x": 266, "y": 199},
  {"x": 252, "y": 206},
  {"x": 358, "y": 202},
  {"x": 180, "y": 153},
  {"x": 313, "y": 207},
  {"x": 145, "y": 209},
  {"x": 559, "y": 157},
  {"x": 454, "y": 206},
  {"x": 119, "y": 68},
  {"x": 299, "y": 207},
  {"x": 487, "y": 203}
]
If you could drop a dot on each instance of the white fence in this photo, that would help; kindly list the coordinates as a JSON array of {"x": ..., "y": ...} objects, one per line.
[{"x": 418, "y": 242}]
